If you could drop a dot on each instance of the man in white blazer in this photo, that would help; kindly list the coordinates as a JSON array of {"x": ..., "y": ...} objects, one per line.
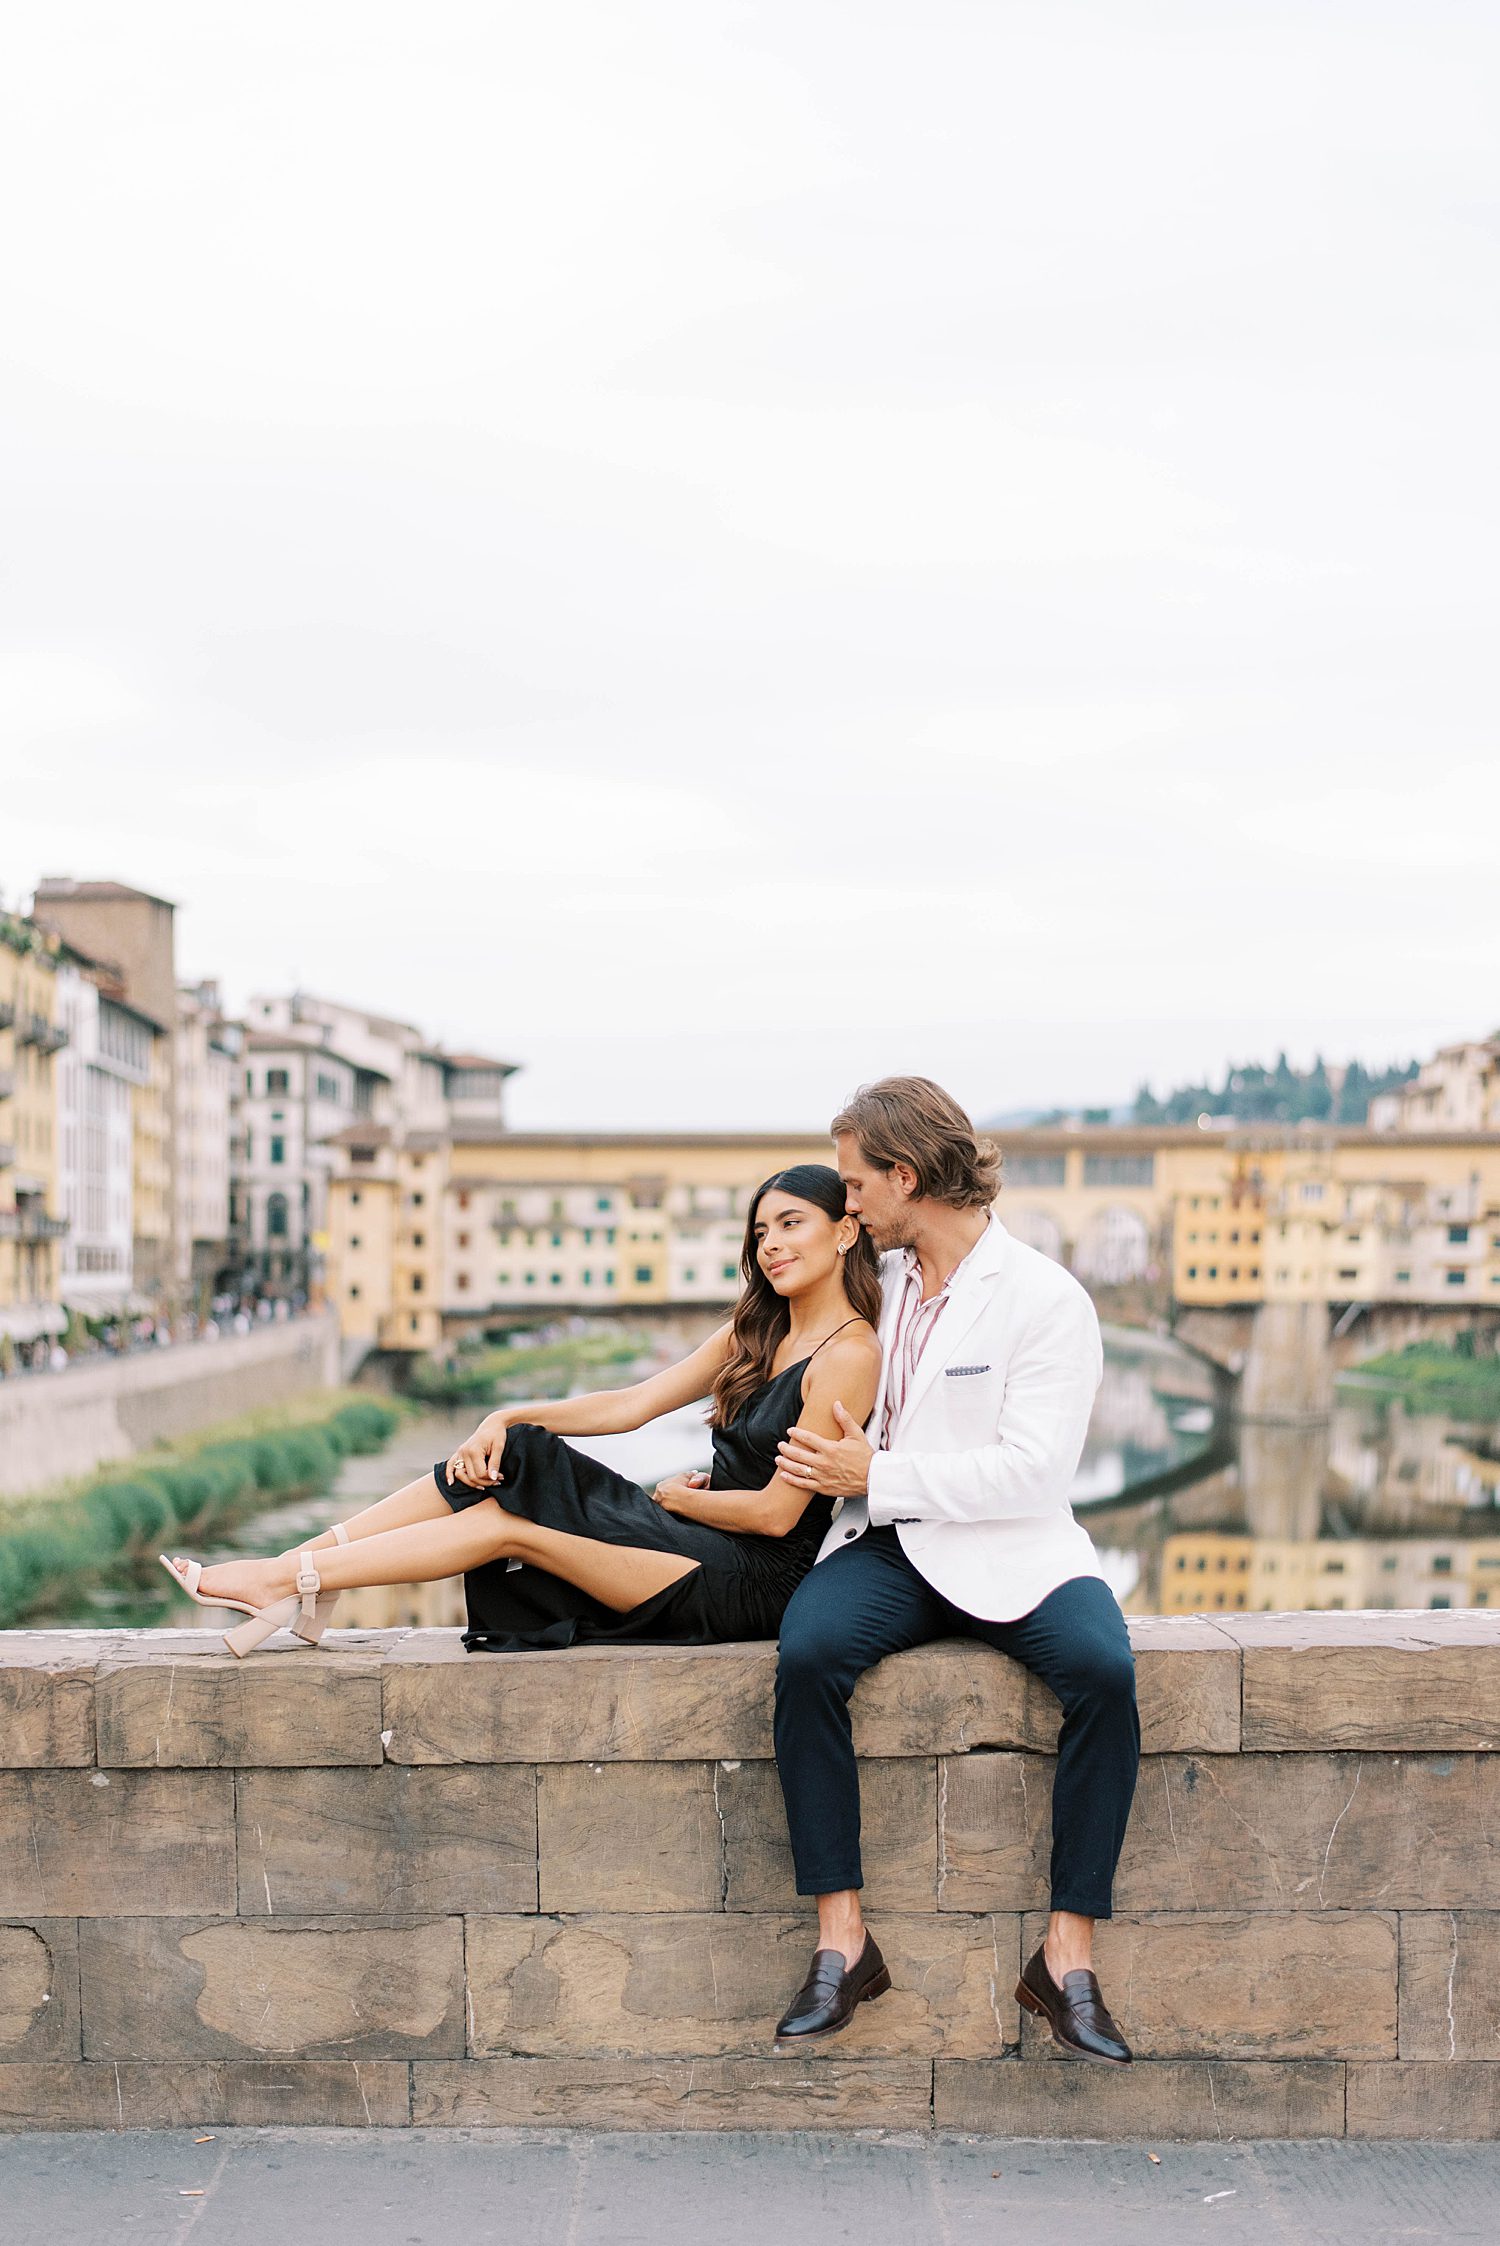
[{"x": 954, "y": 1520}]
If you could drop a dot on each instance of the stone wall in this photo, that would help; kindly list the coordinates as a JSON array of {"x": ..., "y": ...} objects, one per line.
[
  {"x": 56, "y": 1426},
  {"x": 386, "y": 1882}
]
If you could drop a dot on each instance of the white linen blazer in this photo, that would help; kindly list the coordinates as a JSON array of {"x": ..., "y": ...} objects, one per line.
[{"x": 977, "y": 1477}]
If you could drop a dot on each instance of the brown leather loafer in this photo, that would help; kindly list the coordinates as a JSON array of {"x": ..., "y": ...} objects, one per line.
[
  {"x": 1076, "y": 2013},
  {"x": 826, "y": 2000}
]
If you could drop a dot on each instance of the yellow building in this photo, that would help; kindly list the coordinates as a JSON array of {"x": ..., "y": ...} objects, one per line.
[
  {"x": 30, "y": 1221},
  {"x": 1214, "y": 1572},
  {"x": 153, "y": 1173},
  {"x": 1215, "y": 1218}
]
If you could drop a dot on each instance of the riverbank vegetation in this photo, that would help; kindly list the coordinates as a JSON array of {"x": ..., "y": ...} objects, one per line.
[
  {"x": 51, "y": 1545},
  {"x": 1461, "y": 1381},
  {"x": 512, "y": 1371}
]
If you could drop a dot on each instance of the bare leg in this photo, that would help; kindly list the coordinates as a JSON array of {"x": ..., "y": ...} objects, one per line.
[
  {"x": 421, "y": 1500},
  {"x": 428, "y": 1550},
  {"x": 1070, "y": 1944},
  {"x": 841, "y": 1924}
]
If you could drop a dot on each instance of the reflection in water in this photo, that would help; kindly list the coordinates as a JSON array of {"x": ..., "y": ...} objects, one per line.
[{"x": 1374, "y": 1508}]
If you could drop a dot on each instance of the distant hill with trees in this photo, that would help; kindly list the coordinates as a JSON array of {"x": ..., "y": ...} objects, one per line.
[{"x": 1256, "y": 1094}]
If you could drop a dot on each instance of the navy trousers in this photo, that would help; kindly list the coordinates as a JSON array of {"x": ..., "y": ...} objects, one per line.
[{"x": 867, "y": 1600}]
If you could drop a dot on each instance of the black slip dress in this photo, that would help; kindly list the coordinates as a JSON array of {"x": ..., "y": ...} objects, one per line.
[{"x": 739, "y": 1589}]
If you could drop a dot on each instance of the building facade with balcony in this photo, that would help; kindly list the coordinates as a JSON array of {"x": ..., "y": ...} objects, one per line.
[
  {"x": 106, "y": 1063},
  {"x": 32, "y": 1225}
]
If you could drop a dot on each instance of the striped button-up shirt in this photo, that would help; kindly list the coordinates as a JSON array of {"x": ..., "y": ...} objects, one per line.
[{"x": 915, "y": 1321}]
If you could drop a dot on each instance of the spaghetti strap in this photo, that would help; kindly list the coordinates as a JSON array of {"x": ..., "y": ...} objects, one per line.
[{"x": 827, "y": 1338}]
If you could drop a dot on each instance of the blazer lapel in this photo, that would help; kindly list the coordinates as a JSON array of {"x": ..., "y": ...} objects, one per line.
[
  {"x": 893, "y": 1282},
  {"x": 959, "y": 1313}
]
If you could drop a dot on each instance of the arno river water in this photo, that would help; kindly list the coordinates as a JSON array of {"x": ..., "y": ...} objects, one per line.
[{"x": 1372, "y": 1508}]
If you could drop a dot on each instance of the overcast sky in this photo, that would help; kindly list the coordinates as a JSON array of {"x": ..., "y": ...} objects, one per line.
[{"x": 717, "y": 551}]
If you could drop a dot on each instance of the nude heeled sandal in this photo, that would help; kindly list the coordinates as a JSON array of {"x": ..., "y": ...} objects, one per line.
[
  {"x": 301, "y": 1608},
  {"x": 264, "y": 1621},
  {"x": 310, "y": 1628}
]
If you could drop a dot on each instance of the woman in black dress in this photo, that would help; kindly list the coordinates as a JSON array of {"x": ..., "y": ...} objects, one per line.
[{"x": 556, "y": 1549}]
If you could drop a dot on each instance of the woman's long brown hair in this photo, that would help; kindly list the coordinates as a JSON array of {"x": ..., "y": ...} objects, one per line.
[{"x": 762, "y": 1318}]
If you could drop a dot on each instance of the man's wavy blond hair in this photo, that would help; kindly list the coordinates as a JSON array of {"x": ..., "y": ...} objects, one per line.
[{"x": 910, "y": 1119}]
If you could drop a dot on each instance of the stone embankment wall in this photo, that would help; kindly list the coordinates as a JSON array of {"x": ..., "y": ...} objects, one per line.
[
  {"x": 56, "y": 1426},
  {"x": 386, "y": 1882}
]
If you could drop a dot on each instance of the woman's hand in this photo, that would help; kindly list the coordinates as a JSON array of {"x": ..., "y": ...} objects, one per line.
[
  {"x": 670, "y": 1493},
  {"x": 477, "y": 1461}
]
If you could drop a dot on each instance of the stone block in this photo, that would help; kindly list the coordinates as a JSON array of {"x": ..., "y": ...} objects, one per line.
[
  {"x": 945, "y": 1698},
  {"x": 329, "y": 1842},
  {"x": 672, "y": 2094},
  {"x": 39, "y": 1990},
  {"x": 46, "y": 1701},
  {"x": 60, "y": 2094},
  {"x": 589, "y": 1704},
  {"x": 1409, "y": 1683},
  {"x": 1187, "y": 1675},
  {"x": 898, "y": 1817},
  {"x": 1251, "y": 1985},
  {"x": 100, "y": 1844},
  {"x": 1425, "y": 2098},
  {"x": 1163, "y": 2100},
  {"x": 263, "y": 2094},
  {"x": 628, "y": 1837},
  {"x": 209, "y": 1711},
  {"x": 714, "y": 1986},
  {"x": 187, "y": 1988},
  {"x": 678, "y": 1704},
  {"x": 1239, "y": 1832},
  {"x": 1450, "y": 1985}
]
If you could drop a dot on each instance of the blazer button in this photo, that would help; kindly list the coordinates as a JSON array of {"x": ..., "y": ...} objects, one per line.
[{"x": 849, "y": 1533}]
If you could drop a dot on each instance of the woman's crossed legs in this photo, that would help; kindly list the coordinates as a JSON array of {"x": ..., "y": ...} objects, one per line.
[{"x": 414, "y": 1536}]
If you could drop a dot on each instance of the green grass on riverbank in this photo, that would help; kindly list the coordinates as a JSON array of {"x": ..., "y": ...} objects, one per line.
[
  {"x": 508, "y": 1373},
  {"x": 1430, "y": 1377},
  {"x": 50, "y": 1543}
]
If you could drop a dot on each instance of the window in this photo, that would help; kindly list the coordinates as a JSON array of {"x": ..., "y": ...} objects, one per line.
[
  {"x": 1454, "y": 1278},
  {"x": 462, "y": 1282},
  {"x": 1347, "y": 1274},
  {"x": 328, "y": 1088},
  {"x": 1035, "y": 1169},
  {"x": 557, "y": 1278},
  {"x": 588, "y": 1278},
  {"x": 278, "y": 1150},
  {"x": 419, "y": 1239},
  {"x": 354, "y": 1294},
  {"x": 1213, "y": 1271},
  {"x": 354, "y": 1198},
  {"x": 601, "y": 1201},
  {"x": 276, "y": 1216},
  {"x": 354, "y": 1239},
  {"x": 277, "y": 1080},
  {"x": 1458, "y": 1235},
  {"x": 609, "y": 1276},
  {"x": 414, "y": 1323},
  {"x": 556, "y": 1239},
  {"x": 1192, "y": 1271},
  {"x": 1234, "y": 1271},
  {"x": 556, "y": 1212},
  {"x": 531, "y": 1278},
  {"x": 1119, "y": 1169},
  {"x": 416, "y": 1200},
  {"x": 688, "y": 1278},
  {"x": 1440, "y": 1599},
  {"x": 609, "y": 1237},
  {"x": 1442, "y": 1563},
  {"x": 463, "y": 1200},
  {"x": 588, "y": 1236},
  {"x": 463, "y": 1239},
  {"x": 1388, "y": 1564},
  {"x": 643, "y": 1274},
  {"x": 1403, "y": 1278},
  {"x": 416, "y": 1282}
]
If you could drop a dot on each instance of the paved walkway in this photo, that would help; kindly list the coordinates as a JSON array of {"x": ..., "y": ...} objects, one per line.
[{"x": 465, "y": 2187}]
